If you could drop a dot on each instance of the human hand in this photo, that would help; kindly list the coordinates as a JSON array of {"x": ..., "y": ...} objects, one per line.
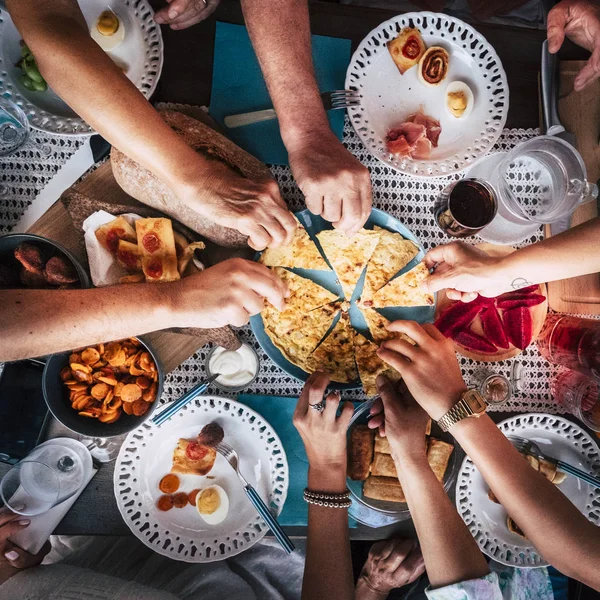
[
  {"x": 429, "y": 369},
  {"x": 254, "y": 208},
  {"x": 11, "y": 523},
  {"x": 180, "y": 14},
  {"x": 323, "y": 433},
  {"x": 401, "y": 420},
  {"x": 391, "y": 564},
  {"x": 465, "y": 271},
  {"x": 579, "y": 20},
  {"x": 228, "y": 293},
  {"x": 335, "y": 184}
]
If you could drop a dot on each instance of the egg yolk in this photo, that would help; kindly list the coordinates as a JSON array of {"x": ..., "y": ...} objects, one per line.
[
  {"x": 457, "y": 102},
  {"x": 208, "y": 502},
  {"x": 108, "y": 23}
]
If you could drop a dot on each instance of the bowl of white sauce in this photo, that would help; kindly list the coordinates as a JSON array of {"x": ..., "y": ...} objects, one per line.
[{"x": 237, "y": 368}]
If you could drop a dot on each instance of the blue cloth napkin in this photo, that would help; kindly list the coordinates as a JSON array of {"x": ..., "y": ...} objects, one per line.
[
  {"x": 278, "y": 412},
  {"x": 238, "y": 87}
]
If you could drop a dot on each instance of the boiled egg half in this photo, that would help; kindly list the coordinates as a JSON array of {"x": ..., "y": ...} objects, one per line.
[
  {"x": 459, "y": 100},
  {"x": 213, "y": 504},
  {"x": 108, "y": 31}
]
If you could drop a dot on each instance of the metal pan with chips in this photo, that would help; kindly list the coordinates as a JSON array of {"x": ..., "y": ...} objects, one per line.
[{"x": 84, "y": 395}]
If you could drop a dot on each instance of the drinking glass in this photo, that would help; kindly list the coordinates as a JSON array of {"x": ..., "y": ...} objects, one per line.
[
  {"x": 571, "y": 342},
  {"x": 50, "y": 474},
  {"x": 465, "y": 207},
  {"x": 14, "y": 127},
  {"x": 579, "y": 394},
  {"x": 493, "y": 387}
]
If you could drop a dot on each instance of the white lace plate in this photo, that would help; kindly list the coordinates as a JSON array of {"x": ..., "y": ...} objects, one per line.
[
  {"x": 387, "y": 97},
  {"x": 141, "y": 52},
  {"x": 181, "y": 533},
  {"x": 557, "y": 437}
]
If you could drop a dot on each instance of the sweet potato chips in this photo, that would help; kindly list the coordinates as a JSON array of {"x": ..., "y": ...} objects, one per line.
[{"x": 107, "y": 380}]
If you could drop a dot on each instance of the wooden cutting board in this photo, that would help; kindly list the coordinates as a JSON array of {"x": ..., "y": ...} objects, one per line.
[
  {"x": 56, "y": 224},
  {"x": 580, "y": 114}
]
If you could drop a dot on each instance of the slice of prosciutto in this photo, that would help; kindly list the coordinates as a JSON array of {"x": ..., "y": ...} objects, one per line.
[{"x": 415, "y": 137}]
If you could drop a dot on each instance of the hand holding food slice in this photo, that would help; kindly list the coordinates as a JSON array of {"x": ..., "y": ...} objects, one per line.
[
  {"x": 370, "y": 366},
  {"x": 404, "y": 290}
]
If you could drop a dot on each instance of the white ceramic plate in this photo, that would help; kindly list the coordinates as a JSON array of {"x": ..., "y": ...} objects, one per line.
[
  {"x": 557, "y": 437},
  {"x": 387, "y": 97},
  {"x": 181, "y": 533},
  {"x": 141, "y": 52}
]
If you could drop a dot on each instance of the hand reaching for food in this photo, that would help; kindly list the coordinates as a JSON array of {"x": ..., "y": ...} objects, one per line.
[
  {"x": 429, "y": 369},
  {"x": 335, "y": 184},
  {"x": 321, "y": 430},
  {"x": 579, "y": 20},
  {"x": 228, "y": 293},
  {"x": 254, "y": 208},
  {"x": 181, "y": 14},
  {"x": 391, "y": 564},
  {"x": 465, "y": 272},
  {"x": 11, "y": 555}
]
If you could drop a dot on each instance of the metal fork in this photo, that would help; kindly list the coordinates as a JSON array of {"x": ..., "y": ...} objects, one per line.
[
  {"x": 525, "y": 446},
  {"x": 232, "y": 458},
  {"x": 331, "y": 101}
]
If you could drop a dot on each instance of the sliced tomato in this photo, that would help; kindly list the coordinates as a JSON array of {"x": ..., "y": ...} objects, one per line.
[{"x": 195, "y": 451}]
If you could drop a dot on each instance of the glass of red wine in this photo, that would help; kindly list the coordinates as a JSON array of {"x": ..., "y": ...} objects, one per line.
[{"x": 465, "y": 207}]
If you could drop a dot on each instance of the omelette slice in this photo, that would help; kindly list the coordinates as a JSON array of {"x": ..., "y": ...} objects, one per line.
[
  {"x": 392, "y": 254},
  {"x": 302, "y": 253},
  {"x": 348, "y": 255},
  {"x": 335, "y": 355},
  {"x": 370, "y": 366},
  {"x": 403, "y": 291},
  {"x": 296, "y": 336},
  {"x": 305, "y": 295}
]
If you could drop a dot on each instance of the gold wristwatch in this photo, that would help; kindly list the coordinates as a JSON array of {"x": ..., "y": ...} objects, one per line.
[{"x": 471, "y": 404}]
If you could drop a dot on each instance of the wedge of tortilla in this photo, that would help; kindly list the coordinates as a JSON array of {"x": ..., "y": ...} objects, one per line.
[
  {"x": 370, "y": 366},
  {"x": 305, "y": 295},
  {"x": 391, "y": 255},
  {"x": 335, "y": 355},
  {"x": 297, "y": 338},
  {"x": 348, "y": 255},
  {"x": 403, "y": 291},
  {"x": 302, "y": 253}
]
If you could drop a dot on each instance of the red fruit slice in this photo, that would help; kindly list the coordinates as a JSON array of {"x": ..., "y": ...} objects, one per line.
[
  {"x": 493, "y": 328},
  {"x": 519, "y": 301},
  {"x": 472, "y": 341},
  {"x": 459, "y": 315},
  {"x": 519, "y": 326}
]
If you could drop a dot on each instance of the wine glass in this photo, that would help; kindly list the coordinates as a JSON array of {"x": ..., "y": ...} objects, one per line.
[{"x": 49, "y": 475}]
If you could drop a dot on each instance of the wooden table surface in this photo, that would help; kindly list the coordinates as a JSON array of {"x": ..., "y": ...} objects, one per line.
[{"x": 186, "y": 78}]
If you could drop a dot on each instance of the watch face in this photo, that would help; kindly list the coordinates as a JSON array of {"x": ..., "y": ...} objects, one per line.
[{"x": 475, "y": 401}]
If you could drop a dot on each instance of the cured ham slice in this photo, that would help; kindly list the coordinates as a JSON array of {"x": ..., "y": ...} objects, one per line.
[{"x": 414, "y": 137}]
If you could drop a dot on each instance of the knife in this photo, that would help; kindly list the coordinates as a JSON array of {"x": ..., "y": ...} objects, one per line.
[
  {"x": 95, "y": 148},
  {"x": 550, "y": 118}
]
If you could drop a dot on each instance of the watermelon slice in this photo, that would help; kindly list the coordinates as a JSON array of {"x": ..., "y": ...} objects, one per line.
[
  {"x": 472, "y": 341},
  {"x": 493, "y": 328},
  {"x": 519, "y": 326},
  {"x": 460, "y": 315},
  {"x": 518, "y": 300}
]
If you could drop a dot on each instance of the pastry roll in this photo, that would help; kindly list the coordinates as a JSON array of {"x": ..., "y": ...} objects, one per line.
[{"x": 360, "y": 452}]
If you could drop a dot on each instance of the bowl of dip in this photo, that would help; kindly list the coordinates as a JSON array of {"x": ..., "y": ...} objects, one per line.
[{"x": 237, "y": 368}]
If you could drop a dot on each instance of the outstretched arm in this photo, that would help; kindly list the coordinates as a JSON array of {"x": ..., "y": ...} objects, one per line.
[
  {"x": 466, "y": 271},
  {"x": 85, "y": 77},
  {"x": 558, "y": 530},
  {"x": 451, "y": 554},
  {"x": 335, "y": 184},
  {"x": 39, "y": 322}
]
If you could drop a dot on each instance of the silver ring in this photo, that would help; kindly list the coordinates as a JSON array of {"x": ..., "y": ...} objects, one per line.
[{"x": 319, "y": 406}]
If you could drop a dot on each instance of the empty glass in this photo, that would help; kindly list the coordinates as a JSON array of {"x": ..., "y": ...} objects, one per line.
[
  {"x": 14, "y": 127},
  {"x": 580, "y": 395}
]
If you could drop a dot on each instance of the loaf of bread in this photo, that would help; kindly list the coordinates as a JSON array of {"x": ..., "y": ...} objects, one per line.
[
  {"x": 142, "y": 185},
  {"x": 383, "y": 488},
  {"x": 360, "y": 452}
]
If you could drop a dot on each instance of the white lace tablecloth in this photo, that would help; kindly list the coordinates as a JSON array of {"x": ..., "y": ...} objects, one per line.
[{"x": 23, "y": 174}]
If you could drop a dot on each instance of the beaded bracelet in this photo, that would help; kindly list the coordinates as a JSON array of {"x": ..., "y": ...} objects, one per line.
[{"x": 328, "y": 500}]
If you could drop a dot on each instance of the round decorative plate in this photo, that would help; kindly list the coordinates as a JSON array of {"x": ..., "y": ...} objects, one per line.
[
  {"x": 140, "y": 54},
  {"x": 313, "y": 225},
  {"x": 181, "y": 533},
  {"x": 387, "y": 97},
  {"x": 557, "y": 437},
  {"x": 538, "y": 316}
]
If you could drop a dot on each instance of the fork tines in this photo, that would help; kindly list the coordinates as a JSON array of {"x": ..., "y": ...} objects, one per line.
[{"x": 343, "y": 98}]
